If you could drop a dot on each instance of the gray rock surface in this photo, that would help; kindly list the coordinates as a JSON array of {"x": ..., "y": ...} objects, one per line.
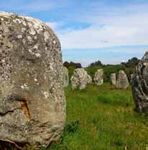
[
  {"x": 66, "y": 77},
  {"x": 140, "y": 85},
  {"x": 98, "y": 78},
  {"x": 32, "y": 102},
  {"x": 122, "y": 80},
  {"x": 80, "y": 79},
  {"x": 113, "y": 79}
]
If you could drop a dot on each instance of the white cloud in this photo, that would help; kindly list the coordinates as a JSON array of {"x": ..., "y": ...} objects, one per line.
[
  {"x": 109, "y": 25},
  {"x": 126, "y": 26}
]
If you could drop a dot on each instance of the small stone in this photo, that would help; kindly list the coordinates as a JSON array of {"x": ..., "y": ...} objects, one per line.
[
  {"x": 131, "y": 77},
  {"x": 89, "y": 79},
  {"x": 80, "y": 79},
  {"x": 113, "y": 79},
  {"x": 122, "y": 80},
  {"x": 98, "y": 78}
]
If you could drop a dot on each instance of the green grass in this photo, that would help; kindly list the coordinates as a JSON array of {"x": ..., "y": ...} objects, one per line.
[{"x": 102, "y": 118}]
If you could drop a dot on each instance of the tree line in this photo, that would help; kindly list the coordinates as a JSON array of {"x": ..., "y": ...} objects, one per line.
[{"x": 128, "y": 67}]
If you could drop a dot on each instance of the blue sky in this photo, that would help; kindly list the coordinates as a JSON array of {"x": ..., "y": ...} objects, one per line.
[{"x": 109, "y": 30}]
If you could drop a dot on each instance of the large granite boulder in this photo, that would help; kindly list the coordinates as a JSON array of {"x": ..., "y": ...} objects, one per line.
[
  {"x": 140, "y": 85},
  {"x": 65, "y": 76},
  {"x": 80, "y": 79},
  {"x": 32, "y": 102},
  {"x": 113, "y": 79},
  {"x": 122, "y": 80},
  {"x": 98, "y": 78}
]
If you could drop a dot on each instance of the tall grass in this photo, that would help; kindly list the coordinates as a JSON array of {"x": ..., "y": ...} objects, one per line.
[{"x": 102, "y": 118}]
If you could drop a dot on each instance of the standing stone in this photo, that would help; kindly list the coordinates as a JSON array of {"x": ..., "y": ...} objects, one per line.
[
  {"x": 131, "y": 77},
  {"x": 32, "y": 102},
  {"x": 80, "y": 79},
  {"x": 122, "y": 80},
  {"x": 140, "y": 85},
  {"x": 98, "y": 78},
  {"x": 89, "y": 79},
  {"x": 113, "y": 79},
  {"x": 66, "y": 77}
]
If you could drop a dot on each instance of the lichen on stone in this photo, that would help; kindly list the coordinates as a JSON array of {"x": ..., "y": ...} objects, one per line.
[{"x": 32, "y": 101}]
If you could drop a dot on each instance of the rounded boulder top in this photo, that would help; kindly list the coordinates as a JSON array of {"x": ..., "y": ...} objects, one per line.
[{"x": 32, "y": 101}]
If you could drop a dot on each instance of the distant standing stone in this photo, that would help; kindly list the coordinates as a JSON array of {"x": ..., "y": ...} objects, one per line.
[
  {"x": 122, "y": 80},
  {"x": 131, "y": 76},
  {"x": 89, "y": 79},
  {"x": 80, "y": 79},
  {"x": 98, "y": 78},
  {"x": 32, "y": 101},
  {"x": 66, "y": 76},
  {"x": 113, "y": 79},
  {"x": 140, "y": 85}
]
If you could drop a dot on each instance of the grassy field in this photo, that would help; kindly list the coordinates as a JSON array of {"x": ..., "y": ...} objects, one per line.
[{"x": 102, "y": 118}]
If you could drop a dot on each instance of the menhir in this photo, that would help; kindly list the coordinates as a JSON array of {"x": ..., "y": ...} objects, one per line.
[{"x": 140, "y": 85}]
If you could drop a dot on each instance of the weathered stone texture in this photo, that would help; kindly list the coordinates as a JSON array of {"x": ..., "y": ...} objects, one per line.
[
  {"x": 140, "y": 85},
  {"x": 113, "y": 79},
  {"x": 80, "y": 79},
  {"x": 98, "y": 78},
  {"x": 32, "y": 102},
  {"x": 122, "y": 80},
  {"x": 66, "y": 76}
]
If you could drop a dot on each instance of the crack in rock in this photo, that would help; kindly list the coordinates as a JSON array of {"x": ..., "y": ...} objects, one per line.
[{"x": 9, "y": 111}]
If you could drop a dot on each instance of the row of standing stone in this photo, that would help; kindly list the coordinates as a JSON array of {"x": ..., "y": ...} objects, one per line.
[
  {"x": 32, "y": 101},
  {"x": 80, "y": 79},
  {"x": 139, "y": 82}
]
